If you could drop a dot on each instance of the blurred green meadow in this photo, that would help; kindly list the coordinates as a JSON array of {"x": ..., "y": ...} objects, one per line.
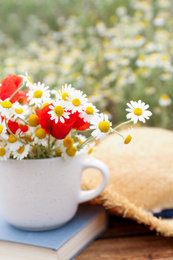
[{"x": 115, "y": 51}]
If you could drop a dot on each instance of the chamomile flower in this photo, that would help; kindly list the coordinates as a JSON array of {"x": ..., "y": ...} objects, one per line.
[
  {"x": 65, "y": 92},
  {"x": 77, "y": 101},
  {"x": 68, "y": 152},
  {"x": 4, "y": 153},
  {"x": 27, "y": 80},
  {"x": 88, "y": 113},
  {"x": 138, "y": 111},
  {"x": 128, "y": 138},
  {"x": 165, "y": 100},
  {"x": 40, "y": 136},
  {"x": 88, "y": 149},
  {"x": 21, "y": 152},
  {"x": 20, "y": 111},
  {"x": 12, "y": 142},
  {"x": 6, "y": 108},
  {"x": 101, "y": 126},
  {"x": 81, "y": 138},
  {"x": 38, "y": 94},
  {"x": 3, "y": 128},
  {"x": 58, "y": 111}
]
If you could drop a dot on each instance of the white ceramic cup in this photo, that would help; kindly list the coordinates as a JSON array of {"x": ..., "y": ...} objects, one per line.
[{"x": 43, "y": 194}]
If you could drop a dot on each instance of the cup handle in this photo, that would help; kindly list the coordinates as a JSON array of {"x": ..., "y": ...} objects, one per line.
[{"x": 86, "y": 195}]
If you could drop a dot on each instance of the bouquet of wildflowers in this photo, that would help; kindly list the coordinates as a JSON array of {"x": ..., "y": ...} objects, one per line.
[{"x": 38, "y": 123}]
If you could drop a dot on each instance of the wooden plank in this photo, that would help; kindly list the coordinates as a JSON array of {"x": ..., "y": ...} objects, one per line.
[{"x": 130, "y": 248}]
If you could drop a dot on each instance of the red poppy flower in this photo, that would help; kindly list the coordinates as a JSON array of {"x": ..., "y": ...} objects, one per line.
[
  {"x": 59, "y": 130},
  {"x": 80, "y": 124},
  {"x": 14, "y": 126},
  {"x": 9, "y": 85}
]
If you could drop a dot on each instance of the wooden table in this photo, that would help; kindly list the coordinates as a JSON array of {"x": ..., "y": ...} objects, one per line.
[{"x": 125, "y": 239}]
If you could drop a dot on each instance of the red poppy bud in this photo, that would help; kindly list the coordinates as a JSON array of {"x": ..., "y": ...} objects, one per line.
[{"x": 80, "y": 124}]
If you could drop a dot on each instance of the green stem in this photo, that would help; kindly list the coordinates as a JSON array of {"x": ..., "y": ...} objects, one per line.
[
  {"x": 127, "y": 122},
  {"x": 113, "y": 130},
  {"x": 88, "y": 140},
  {"x": 16, "y": 91}
]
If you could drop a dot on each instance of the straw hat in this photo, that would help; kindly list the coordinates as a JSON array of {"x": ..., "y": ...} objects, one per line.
[{"x": 141, "y": 177}]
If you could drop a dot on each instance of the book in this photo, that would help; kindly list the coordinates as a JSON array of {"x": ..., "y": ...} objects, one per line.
[
  {"x": 166, "y": 213},
  {"x": 63, "y": 243}
]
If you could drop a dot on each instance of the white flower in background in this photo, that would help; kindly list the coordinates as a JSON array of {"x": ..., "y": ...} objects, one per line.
[
  {"x": 101, "y": 126},
  {"x": 20, "y": 111},
  {"x": 6, "y": 108},
  {"x": 138, "y": 111},
  {"x": 21, "y": 152},
  {"x": 4, "y": 153},
  {"x": 77, "y": 101},
  {"x": 166, "y": 76},
  {"x": 27, "y": 80},
  {"x": 165, "y": 100},
  {"x": 159, "y": 21},
  {"x": 58, "y": 111},
  {"x": 127, "y": 138},
  {"x": 38, "y": 94},
  {"x": 88, "y": 113},
  {"x": 121, "y": 10},
  {"x": 65, "y": 92},
  {"x": 81, "y": 138}
]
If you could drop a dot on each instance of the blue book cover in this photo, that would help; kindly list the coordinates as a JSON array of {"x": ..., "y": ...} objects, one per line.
[{"x": 89, "y": 222}]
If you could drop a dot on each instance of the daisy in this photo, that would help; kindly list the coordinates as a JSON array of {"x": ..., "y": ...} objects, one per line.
[
  {"x": 20, "y": 111},
  {"x": 101, "y": 126},
  {"x": 81, "y": 138},
  {"x": 12, "y": 142},
  {"x": 88, "y": 113},
  {"x": 138, "y": 111},
  {"x": 21, "y": 152},
  {"x": 76, "y": 101},
  {"x": 38, "y": 94},
  {"x": 165, "y": 100},
  {"x": 58, "y": 111},
  {"x": 27, "y": 80},
  {"x": 40, "y": 136},
  {"x": 6, "y": 108},
  {"x": 68, "y": 153},
  {"x": 88, "y": 149},
  {"x": 3, "y": 128},
  {"x": 4, "y": 153},
  {"x": 65, "y": 92},
  {"x": 128, "y": 137}
]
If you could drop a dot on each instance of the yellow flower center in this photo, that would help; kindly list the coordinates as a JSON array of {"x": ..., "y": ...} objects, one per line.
[
  {"x": 104, "y": 126},
  {"x": 165, "y": 97},
  {"x": 38, "y": 94},
  {"x": 21, "y": 149},
  {"x": 90, "y": 150},
  {"x": 65, "y": 96},
  {"x": 33, "y": 120},
  {"x": 40, "y": 133},
  {"x": 1, "y": 129},
  {"x": 2, "y": 152},
  {"x": 45, "y": 104},
  {"x": 30, "y": 80},
  {"x": 68, "y": 142},
  {"x": 89, "y": 110},
  {"x": 59, "y": 110},
  {"x": 6, "y": 104},
  {"x": 19, "y": 111},
  {"x": 58, "y": 151},
  {"x": 142, "y": 58},
  {"x": 12, "y": 139},
  {"x": 137, "y": 111},
  {"x": 71, "y": 151},
  {"x": 76, "y": 102},
  {"x": 128, "y": 139}
]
